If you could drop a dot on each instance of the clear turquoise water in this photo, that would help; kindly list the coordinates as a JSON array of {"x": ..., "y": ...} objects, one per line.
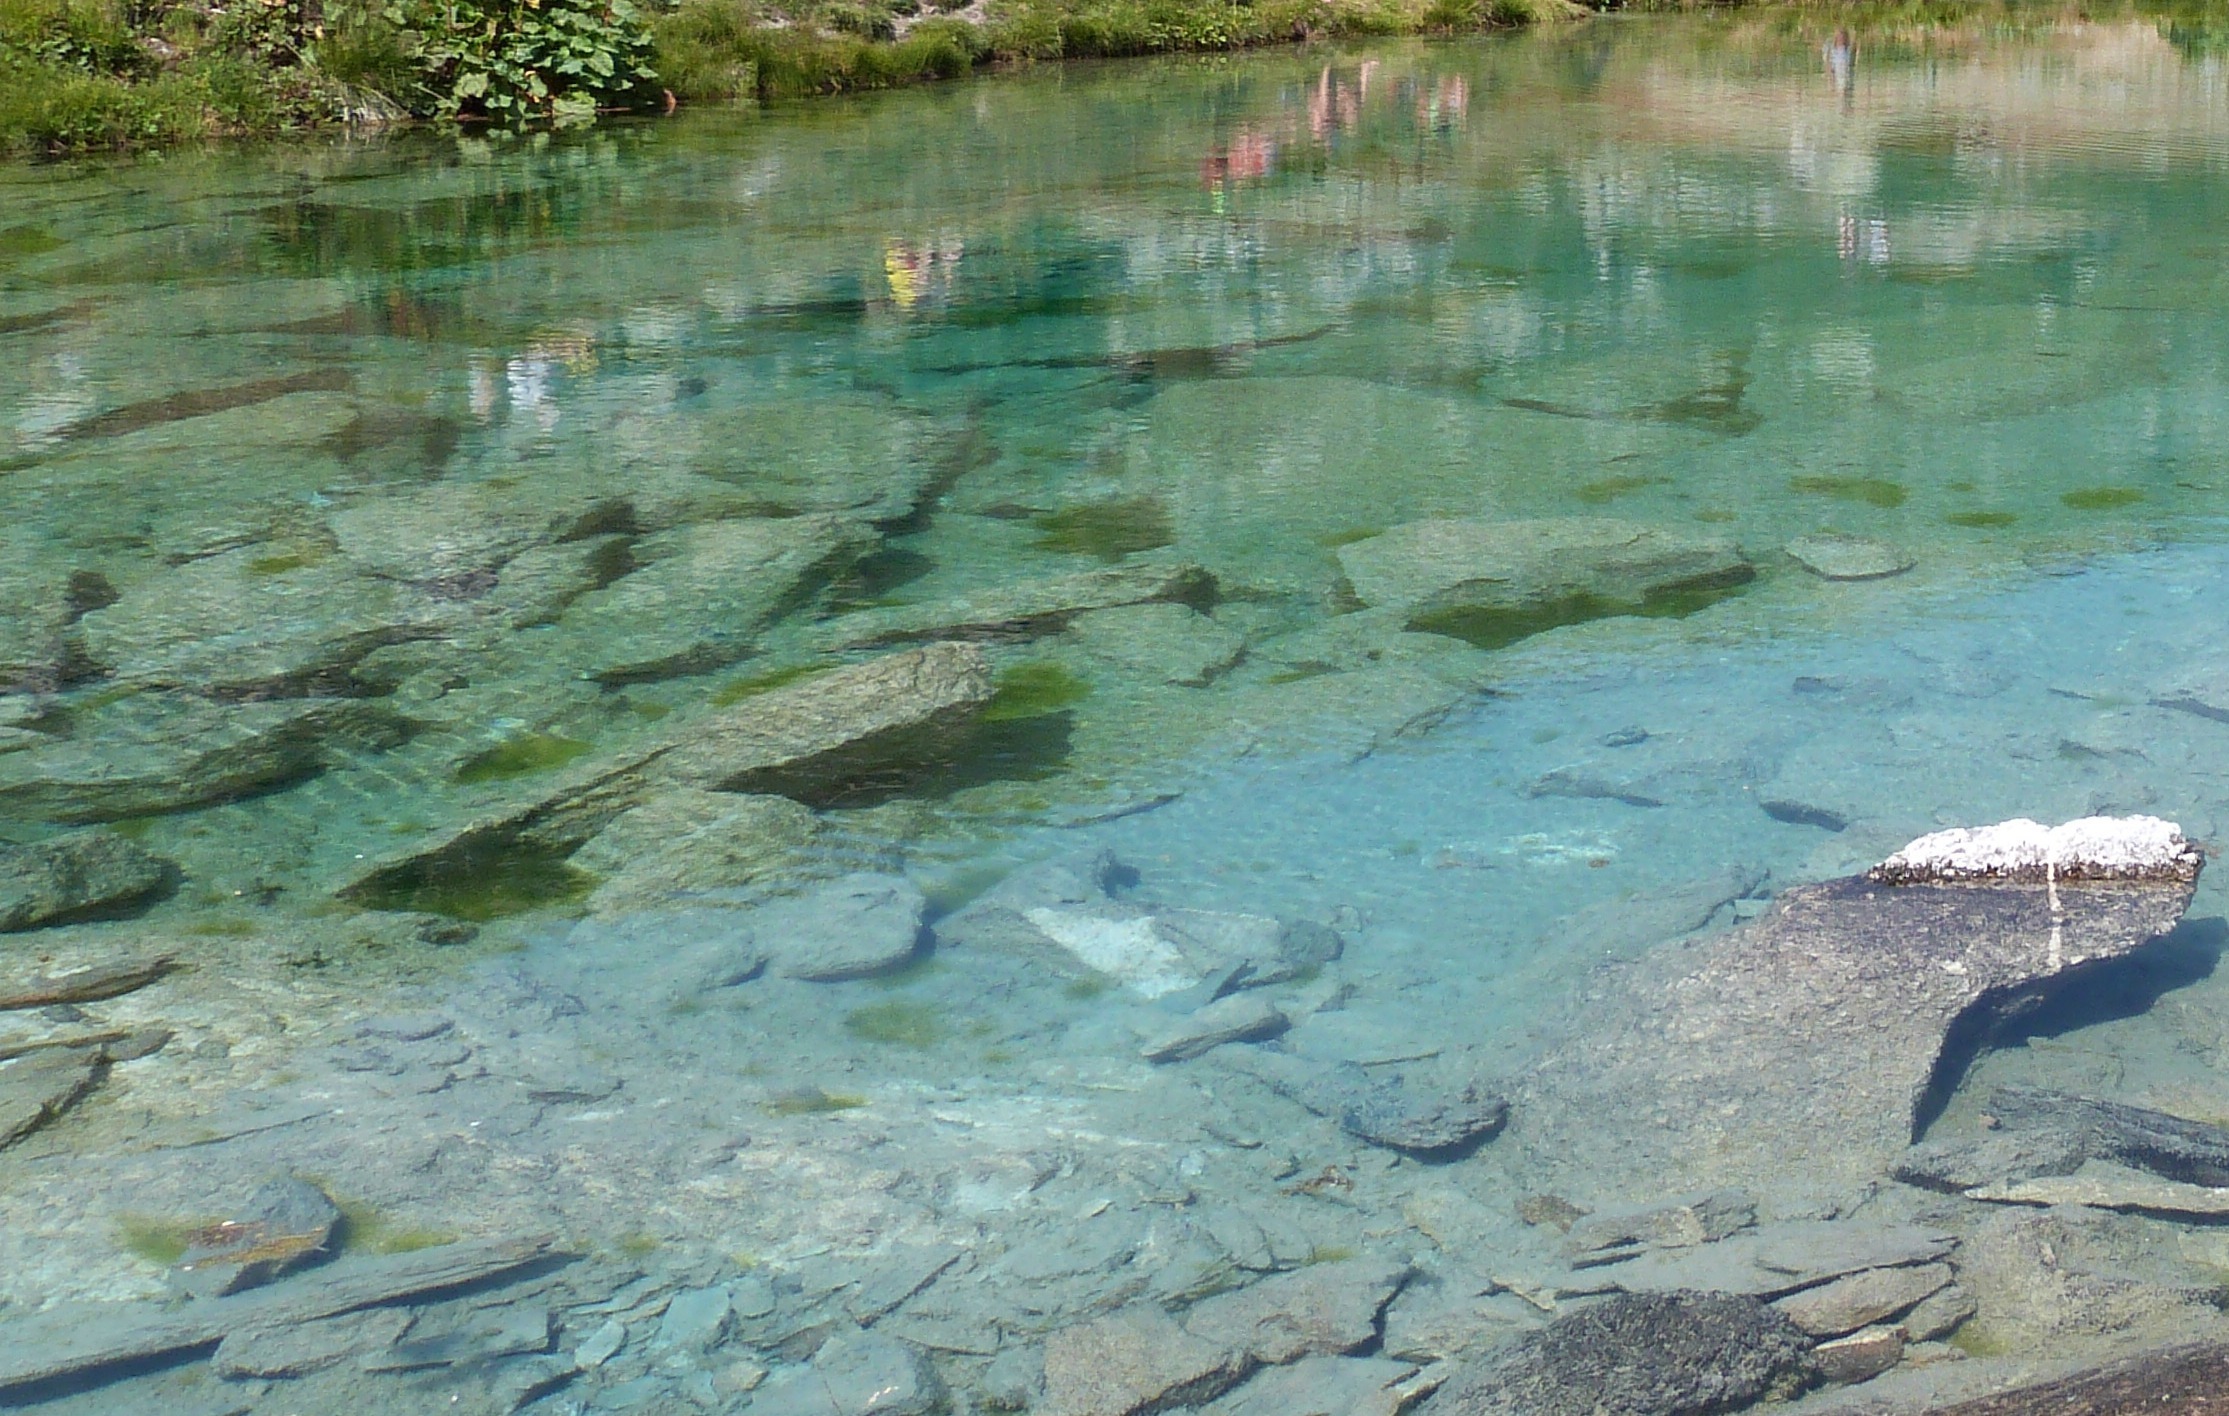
[{"x": 1238, "y": 312}]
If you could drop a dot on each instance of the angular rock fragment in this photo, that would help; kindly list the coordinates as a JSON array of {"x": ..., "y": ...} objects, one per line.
[
  {"x": 284, "y": 1225},
  {"x": 687, "y": 842},
  {"x": 38, "y": 1087},
  {"x": 2191, "y": 1378},
  {"x": 855, "y": 1374},
  {"x": 1860, "y": 1357},
  {"x": 1939, "y": 1316},
  {"x": 1828, "y": 1015},
  {"x": 258, "y": 622},
  {"x": 1491, "y": 581},
  {"x": 1027, "y": 609},
  {"x": 812, "y": 738},
  {"x": 854, "y": 927},
  {"x": 1675, "y": 1224},
  {"x": 80, "y": 875},
  {"x": 1065, "y": 914},
  {"x": 1677, "y": 1354},
  {"x": 87, "y": 985},
  {"x": 1862, "y": 1299},
  {"x": 2100, "y": 1184},
  {"x": 1832, "y": 556},
  {"x": 1780, "y": 1258},
  {"x": 1323, "y": 1386},
  {"x": 297, "y": 1349},
  {"x": 1242, "y": 1018},
  {"x": 1323, "y": 1310},
  {"x": 474, "y": 1336},
  {"x": 1130, "y": 1363},
  {"x": 88, "y": 1338},
  {"x": 1174, "y": 643},
  {"x": 153, "y": 753},
  {"x": 704, "y": 592},
  {"x": 1429, "y": 1123}
]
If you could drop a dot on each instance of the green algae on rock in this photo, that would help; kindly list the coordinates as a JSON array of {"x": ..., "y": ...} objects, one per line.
[
  {"x": 1871, "y": 491},
  {"x": 2102, "y": 498},
  {"x": 1109, "y": 530},
  {"x": 521, "y": 756}
]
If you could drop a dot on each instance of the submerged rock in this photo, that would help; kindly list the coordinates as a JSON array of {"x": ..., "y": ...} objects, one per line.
[
  {"x": 284, "y": 1225},
  {"x": 1323, "y": 1386},
  {"x": 2048, "y": 1134},
  {"x": 37, "y": 1088},
  {"x": 1862, "y": 1299},
  {"x": 1028, "y": 609},
  {"x": 1677, "y": 1354},
  {"x": 154, "y": 753},
  {"x": 1395, "y": 1111},
  {"x": 1173, "y": 643},
  {"x": 808, "y": 739},
  {"x": 688, "y": 842},
  {"x": 1491, "y": 580},
  {"x": 856, "y": 1374},
  {"x": 1323, "y": 1310},
  {"x": 1243, "y": 1017},
  {"x": 703, "y": 594},
  {"x": 1131, "y": 1363},
  {"x": 855, "y": 927},
  {"x": 1826, "y": 1018},
  {"x": 80, "y": 875},
  {"x": 2189, "y": 1378},
  {"x": 1065, "y": 914},
  {"x": 1835, "y": 557}
]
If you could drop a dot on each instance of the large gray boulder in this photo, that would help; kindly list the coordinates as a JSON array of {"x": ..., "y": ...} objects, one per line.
[
  {"x": 1791, "y": 1056},
  {"x": 1660, "y": 1354},
  {"x": 1469, "y": 575}
]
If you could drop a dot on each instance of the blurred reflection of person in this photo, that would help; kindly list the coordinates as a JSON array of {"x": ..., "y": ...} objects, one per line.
[{"x": 1841, "y": 62}]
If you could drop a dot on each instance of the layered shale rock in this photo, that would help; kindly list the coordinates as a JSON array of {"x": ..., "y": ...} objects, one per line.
[{"x": 1792, "y": 1055}]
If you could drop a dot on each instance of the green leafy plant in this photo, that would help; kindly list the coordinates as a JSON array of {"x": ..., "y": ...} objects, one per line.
[{"x": 514, "y": 61}]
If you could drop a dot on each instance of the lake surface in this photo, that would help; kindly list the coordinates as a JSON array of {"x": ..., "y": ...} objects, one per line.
[{"x": 381, "y": 522}]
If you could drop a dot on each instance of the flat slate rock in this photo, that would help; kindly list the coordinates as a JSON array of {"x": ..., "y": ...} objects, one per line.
[
  {"x": 1244, "y": 1017},
  {"x": 1130, "y": 1363},
  {"x": 2100, "y": 1184},
  {"x": 86, "y": 1339},
  {"x": 1322, "y": 1386},
  {"x": 1435, "y": 567},
  {"x": 855, "y": 1374},
  {"x": 1780, "y": 1258},
  {"x": 1862, "y": 1299},
  {"x": 1389, "y": 1111},
  {"x": 815, "y": 736},
  {"x": 1816, "y": 1027},
  {"x": 79, "y": 875},
  {"x": 854, "y": 927},
  {"x": 1679, "y": 1354},
  {"x": 284, "y": 1225},
  {"x": 1835, "y": 557},
  {"x": 39, "y": 1086},
  {"x": 1322, "y": 1310}
]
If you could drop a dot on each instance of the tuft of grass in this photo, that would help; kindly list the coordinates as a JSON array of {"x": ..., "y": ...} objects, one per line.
[
  {"x": 736, "y": 690},
  {"x": 1872, "y": 491},
  {"x": 900, "y": 1022},
  {"x": 1109, "y": 530},
  {"x": 2102, "y": 498},
  {"x": 161, "y": 1242},
  {"x": 520, "y": 757},
  {"x": 812, "y": 1101},
  {"x": 1034, "y": 690}
]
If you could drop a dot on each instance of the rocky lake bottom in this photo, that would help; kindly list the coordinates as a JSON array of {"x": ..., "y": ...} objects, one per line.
[{"x": 1232, "y": 737}]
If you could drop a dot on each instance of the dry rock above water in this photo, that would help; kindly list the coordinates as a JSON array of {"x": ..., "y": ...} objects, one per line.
[{"x": 1826, "y": 1017}]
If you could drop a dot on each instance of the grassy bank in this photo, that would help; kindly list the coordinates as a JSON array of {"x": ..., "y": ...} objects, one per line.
[{"x": 89, "y": 74}]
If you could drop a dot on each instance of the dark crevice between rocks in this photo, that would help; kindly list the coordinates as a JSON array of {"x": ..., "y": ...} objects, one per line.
[
  {"x": 488, "y": 881},
  {"x": 1026, "y": 749},
  {"x": 2105, "y": 991}
]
